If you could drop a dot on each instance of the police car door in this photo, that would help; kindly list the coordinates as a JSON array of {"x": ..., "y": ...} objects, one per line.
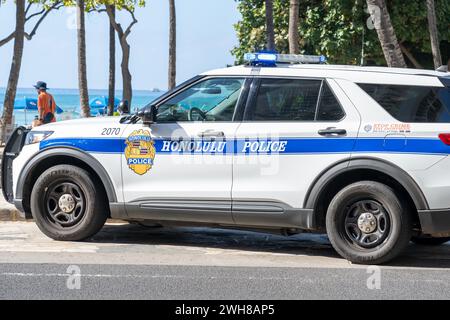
[
  {"x": 293, "y": 129},
  {"x": 181, "y": 164}
]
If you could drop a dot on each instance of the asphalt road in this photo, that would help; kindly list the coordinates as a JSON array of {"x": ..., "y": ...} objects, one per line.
[{"x": 133, "y": 262}]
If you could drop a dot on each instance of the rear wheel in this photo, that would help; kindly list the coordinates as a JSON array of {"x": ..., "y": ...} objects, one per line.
[
  {"x": 67, "y": 205},
  {"x": 429, "y": 241},
  {"x": 366, "y": 223}
]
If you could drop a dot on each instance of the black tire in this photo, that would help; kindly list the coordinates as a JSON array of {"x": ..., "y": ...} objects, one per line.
[
  {"x": 429, "y": 241},
  {"x": 392, "y": 223},
  {"x": 89, "y": 211}
]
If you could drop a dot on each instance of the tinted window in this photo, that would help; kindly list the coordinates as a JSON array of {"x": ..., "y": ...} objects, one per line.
[
  {"x": 412, "y": 103},
  {"x": 285, "y": 100},
  {"x": 329, "y": 108},
  {"x": 209, "y": 100}
]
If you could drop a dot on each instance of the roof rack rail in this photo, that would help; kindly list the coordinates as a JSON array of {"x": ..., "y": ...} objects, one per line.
[{"x": 270, "y": 59}]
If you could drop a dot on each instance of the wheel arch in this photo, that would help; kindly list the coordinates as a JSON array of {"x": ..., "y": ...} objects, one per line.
[
  {"x": 50, "y": 157},
  {"x": 343, "y": 173}
]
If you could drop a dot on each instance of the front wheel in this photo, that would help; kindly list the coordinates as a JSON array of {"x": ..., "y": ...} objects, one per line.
[
  {"x": 67, "y": 205},
  {"x": 366, "y": 223}
]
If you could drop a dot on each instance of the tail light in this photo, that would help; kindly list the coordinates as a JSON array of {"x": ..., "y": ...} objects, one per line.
[{"x": 445, "y": 138}]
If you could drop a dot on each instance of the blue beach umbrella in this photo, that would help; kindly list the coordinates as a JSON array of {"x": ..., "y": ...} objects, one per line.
[
  {"x": 25, "y": 104},
  {"x": 98, "y": 104},
  {"x": 101, "y": 102},
  {"x": 30, "y": 104}
]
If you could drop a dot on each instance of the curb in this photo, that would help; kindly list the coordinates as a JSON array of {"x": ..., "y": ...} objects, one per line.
[
  {"x": 10, "y": 214},
  {"x": 14, "y": 215}
]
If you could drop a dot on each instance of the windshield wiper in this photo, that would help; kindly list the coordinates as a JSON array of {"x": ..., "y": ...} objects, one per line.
[{"x": 133, "y": 118}]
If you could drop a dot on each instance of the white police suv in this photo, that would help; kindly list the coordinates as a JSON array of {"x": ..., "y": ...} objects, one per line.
[{"x": 361, "y": 153}]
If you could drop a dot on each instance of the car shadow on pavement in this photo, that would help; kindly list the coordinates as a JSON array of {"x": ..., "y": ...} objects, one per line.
[
  {"x": 302, "y": 244},
  {"x": 415, "y": 256}
]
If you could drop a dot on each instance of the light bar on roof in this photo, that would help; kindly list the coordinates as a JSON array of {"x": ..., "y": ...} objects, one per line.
[
  {"x": 271, "y": 59},
  {"x": 300, "y": 58},
  {"x": 261, "y": 58}
]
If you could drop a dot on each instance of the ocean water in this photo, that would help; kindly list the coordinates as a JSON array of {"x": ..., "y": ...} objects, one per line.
[{"x": 69, "y": 101}]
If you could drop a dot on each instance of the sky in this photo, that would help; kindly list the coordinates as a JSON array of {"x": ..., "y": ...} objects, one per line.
[{"x": 205, "y": 36}]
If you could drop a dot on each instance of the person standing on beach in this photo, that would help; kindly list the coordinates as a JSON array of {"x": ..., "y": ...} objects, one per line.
[{"x": 46, "y": 104}]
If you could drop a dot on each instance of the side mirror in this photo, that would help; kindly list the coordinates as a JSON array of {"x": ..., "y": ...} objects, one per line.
[
  {"x": 123, "y": 107},
  {"x": 148, "y": 114}
]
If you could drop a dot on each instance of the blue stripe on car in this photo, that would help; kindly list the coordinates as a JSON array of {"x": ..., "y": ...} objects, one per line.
[{"x": 292, "y": 146}]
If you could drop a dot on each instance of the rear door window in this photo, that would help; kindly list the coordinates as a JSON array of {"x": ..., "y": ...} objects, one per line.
[
  {"x": 285, "y": 100},
  {"x": 294, "y": 100},
  {"x": 329, "y": 108}
]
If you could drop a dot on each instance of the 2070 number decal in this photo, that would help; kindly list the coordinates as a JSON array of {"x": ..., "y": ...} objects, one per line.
[{"x": 110, "y": 131}]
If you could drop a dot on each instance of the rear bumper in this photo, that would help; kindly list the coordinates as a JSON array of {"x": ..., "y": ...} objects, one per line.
[{"x": 435, "y": 222}]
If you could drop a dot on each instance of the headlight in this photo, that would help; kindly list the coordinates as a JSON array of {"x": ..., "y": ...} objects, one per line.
[{"x": 37, "y": 136}]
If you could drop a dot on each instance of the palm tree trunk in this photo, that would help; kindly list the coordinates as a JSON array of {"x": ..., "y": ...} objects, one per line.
[
  {"x": 294, "y": 47},
  {"x": 82, "y": 68},
  {"x": 386, "y": 33},
  {"x": 432, "y": 26},
  {"x": 14, "y": 73},
  {"x": 126, "y": 75},
  {"x": 125, "y": 64},
  {"x": 269, "y": 26},
  {"x": 172, "y": 45},
  {"x": 112, "y": 66}
]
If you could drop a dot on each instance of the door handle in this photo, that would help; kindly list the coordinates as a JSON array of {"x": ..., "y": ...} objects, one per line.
[
  {"x": 332, "y": 131},
  {"x": 211, "y": 133}
]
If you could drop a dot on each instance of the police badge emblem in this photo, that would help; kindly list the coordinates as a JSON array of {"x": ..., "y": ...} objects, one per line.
[{"x": 140, "y": 151}]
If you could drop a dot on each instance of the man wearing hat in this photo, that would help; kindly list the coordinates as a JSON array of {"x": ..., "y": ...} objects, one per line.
[{"x": 46, "y": 103}]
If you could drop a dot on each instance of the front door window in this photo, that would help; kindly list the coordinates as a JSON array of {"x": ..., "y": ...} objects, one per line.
[{"x": 209, "y": 100}]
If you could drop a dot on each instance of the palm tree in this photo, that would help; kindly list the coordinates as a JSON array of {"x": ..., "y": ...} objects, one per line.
[
  {"x": 112, "y": 65},
  {"x": 11, "y": 89},
  {"x": 172, "y": 44},
  {"x": 125, "y": 46},
  {"x": 23, "y": 15},
  {"x": 432, "y": 26},
  {"x": 386, "y": 33},
  {"x": 82, "y": 68},
  {"x": 269, "y": 26},
  {"x": 293, "y": 27}
]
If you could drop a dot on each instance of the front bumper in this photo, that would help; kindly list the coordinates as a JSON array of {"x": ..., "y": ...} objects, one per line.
[
  {"x": 435, "y": 222},
  {"x": 12, "y": 149},
  {"x": 18, "y": 203}
]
